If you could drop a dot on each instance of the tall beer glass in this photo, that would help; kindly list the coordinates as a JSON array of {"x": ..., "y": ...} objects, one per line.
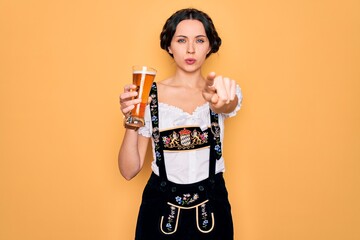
[{"x": 143, "y": 78}]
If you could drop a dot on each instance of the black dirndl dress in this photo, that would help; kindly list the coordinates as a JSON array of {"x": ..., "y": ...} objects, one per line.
[{"x": 197, "y": 211}]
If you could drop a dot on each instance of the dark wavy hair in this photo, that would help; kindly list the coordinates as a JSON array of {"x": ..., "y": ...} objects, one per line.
[{"x": 170, "y": 25}]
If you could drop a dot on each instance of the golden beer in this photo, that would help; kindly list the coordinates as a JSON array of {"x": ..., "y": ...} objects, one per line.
[{"x": 143, "y": 77}]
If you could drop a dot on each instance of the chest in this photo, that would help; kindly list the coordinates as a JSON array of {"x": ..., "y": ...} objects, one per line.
[{"x": 185, "y": 100}]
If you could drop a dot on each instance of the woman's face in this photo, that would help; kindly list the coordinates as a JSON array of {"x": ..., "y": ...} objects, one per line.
[{"x": 189, "y": 45}]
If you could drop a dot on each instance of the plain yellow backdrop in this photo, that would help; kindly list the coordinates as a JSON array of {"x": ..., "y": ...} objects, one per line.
[{"x": 292, "y": 153}]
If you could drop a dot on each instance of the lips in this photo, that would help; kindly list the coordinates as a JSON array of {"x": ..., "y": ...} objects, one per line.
[{"x": 190, "y": 61}]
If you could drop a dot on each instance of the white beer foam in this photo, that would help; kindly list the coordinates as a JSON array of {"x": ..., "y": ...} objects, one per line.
[{"x": 144, "y": 71}]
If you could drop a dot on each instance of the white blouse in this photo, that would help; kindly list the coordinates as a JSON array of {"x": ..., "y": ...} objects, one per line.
[{"x": 185, "y": 167}]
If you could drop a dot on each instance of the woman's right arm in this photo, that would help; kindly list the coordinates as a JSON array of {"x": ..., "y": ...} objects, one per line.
[
  {"x": 133, "y": 148},
  {"x": 132, "y": 154}
]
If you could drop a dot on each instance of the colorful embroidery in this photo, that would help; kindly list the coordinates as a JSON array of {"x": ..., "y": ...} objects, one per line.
[
  {"x": 186, "y": 138},
  {"x": 215, "y": 129},
  {"x": 186, "y": 199},
  {"x": 204, "y": 216},
  {"x": 155, "y": 123},
  {"x": 171, "y": 218}
]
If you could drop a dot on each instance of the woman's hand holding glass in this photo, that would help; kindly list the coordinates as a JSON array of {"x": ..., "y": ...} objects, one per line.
[{"x": 128, "y": 99}]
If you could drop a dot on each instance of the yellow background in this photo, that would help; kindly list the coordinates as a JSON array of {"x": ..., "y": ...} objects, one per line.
[{"x": 292, "y": 153}]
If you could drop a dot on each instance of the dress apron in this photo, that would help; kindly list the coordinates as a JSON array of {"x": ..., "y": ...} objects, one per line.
[{"x": 197, "y": 211}]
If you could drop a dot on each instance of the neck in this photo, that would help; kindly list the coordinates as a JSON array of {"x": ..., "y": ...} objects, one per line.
[{"x": 189, "y": 79}]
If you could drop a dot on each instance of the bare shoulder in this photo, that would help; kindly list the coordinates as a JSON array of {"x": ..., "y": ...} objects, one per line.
[
  {"x": 166, "y": 88},
  {"x": 165, "y": 83}
]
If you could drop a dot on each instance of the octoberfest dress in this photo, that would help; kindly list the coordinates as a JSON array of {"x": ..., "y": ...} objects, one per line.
[{"x": 185, "y": 197}]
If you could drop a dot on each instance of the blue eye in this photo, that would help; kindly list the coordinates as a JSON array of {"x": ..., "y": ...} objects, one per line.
[
  {"x": 181, "y": 40},
  {"x": 200, "y": 40}
]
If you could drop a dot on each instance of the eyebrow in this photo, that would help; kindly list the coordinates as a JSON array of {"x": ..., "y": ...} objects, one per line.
[{"x": 183, "y": 36}]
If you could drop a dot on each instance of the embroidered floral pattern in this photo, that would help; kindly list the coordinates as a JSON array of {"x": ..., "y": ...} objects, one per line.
[
  {"x": 155, "y": 122},
  {"x": 187, "y": 198},
  {"x": 170, "y": 219},
  {"x": 204, "y": 216},
  {"x": 215, "y": 129}
]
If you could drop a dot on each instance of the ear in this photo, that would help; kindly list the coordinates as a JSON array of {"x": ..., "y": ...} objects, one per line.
[{"x": 169, "y": 50}]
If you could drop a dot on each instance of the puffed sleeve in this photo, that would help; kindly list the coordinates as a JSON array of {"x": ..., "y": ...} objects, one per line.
[
  {"x": 240, "y": 96},
  {"x": 146, "y": 130}
]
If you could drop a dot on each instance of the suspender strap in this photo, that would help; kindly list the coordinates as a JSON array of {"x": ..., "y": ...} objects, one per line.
[
  {"x": 215, "y": 144},
  {"x": 214, "y": 137},
  {"x": 158, "y": 144}
]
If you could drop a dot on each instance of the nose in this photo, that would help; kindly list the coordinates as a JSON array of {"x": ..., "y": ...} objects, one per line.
[{"x": 190, "y": 48}]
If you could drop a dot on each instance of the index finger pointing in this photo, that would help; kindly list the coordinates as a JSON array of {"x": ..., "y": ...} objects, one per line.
[{"x": 210, "y": 78}]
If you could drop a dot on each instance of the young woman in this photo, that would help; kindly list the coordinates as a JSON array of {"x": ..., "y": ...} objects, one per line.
[{"x": 185, "y": 197}]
